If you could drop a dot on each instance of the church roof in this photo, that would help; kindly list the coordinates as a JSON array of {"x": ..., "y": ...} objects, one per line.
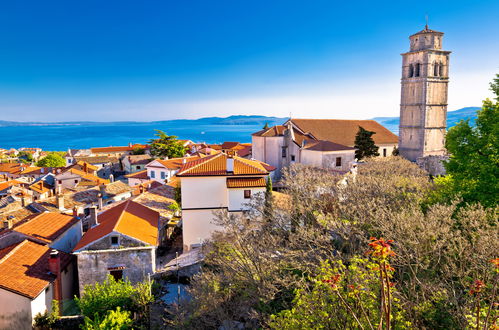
[{"x": 427, "y": 30}]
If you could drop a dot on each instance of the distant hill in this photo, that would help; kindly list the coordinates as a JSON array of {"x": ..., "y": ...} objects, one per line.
[
  {"x": 231, "y": 120},
  {"x": 453, "y": 117}
]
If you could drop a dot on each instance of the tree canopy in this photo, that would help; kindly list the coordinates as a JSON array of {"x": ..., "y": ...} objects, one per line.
[
  {"x": 51, "y": 160},
  {"x": 474, "y": 155},
  {"x": 365, "y": 144},
  {"x": 166, "y": 146}
]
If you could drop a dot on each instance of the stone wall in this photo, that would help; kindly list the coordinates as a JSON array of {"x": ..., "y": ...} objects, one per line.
[
  {"x": 105, "y": 243},
  {"x": 137, "y": 263},
  {"x": 433, "y": 164}
]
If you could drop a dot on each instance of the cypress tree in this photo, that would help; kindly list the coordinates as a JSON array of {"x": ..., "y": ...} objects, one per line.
[{"x": 365, "y": 144}]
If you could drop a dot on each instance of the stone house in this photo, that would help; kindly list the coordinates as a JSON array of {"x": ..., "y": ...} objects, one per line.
[
  {"x": 135, "y": 163},
  {"x": 121, "y": 242},
  {"x": 162, "y": 170},
  {"x": 73, "y": 178}
]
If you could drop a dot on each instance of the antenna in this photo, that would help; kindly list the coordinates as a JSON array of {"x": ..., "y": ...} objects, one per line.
[{"x": 426, "y": 17}]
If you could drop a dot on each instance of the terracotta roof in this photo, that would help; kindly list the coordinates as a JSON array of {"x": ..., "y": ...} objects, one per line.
[
  {"x": 215, "y": 146},
  {"x": 24, "y": 269},
  {"x": 139, "y": 159},
  {"x": 138, "y": 175},
  {"x": 8, "y": 184},
  {"x": 271, "y": 131},
  {"x": 229, "y": 145},
  {"x": 158, "y": 199},
  {"x": 324, "y": 146},
  {"x": 175, "y": 163},
  {"x": 98, "y": 159},
  {"x": 129, "y": 218},
  {"x": 344, "y": 131},
  {"x": 82, "y": 165},
  {"x": 217, "y": 165},
  {"x": 87, "y": 176},
  {"x": 245, "y": 182},
  {"x": 40, "y": 187},
  {"x": 46, "y": 226},
  {"x": 118, "y": 149},
  {"x": 427, "y": 30}
]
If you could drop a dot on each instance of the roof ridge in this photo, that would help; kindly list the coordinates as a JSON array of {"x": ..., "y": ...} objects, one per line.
[
  {"x": 11, "y": 252},
  {"x": 121, "y": 214},
  {"x": 249, "y": 164}
]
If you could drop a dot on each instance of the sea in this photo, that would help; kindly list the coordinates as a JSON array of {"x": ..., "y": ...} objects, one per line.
[{"x": 60, "y": 137}]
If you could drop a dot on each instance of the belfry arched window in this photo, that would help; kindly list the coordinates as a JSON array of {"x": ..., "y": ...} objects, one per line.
[
  {"x": 411, "y": 71},
  {"x": 417, "y": 70},
  {"x": 436, "y": 69},
  {"x": 441, "y": 73}
]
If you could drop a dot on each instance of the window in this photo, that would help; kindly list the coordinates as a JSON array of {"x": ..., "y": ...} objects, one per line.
[
  {"x": 411, "y": 71},
  {"x": 152, "y": 175},
  {"x": 114, "y": 240},
  {"x": 117, "y": 274},
  {"x": 417, "y": 70},
  {"x": 435, "y": 69},
  {"x": 441, "y": 67},
  {"x": 283, "y": 152},
  {"x": 59, "y": 181},
  {"x": 163, "y": 175},
  {"x": 384, "y": 152},
  {"x": 338, "y": 161},
  {"x": 292, "y": 158},
  {"x": 247, "y": 194},
  {"x": 76, "y": 181}
]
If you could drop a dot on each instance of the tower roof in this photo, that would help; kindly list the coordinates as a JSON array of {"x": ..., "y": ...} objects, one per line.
[{"x": 427, "y": 30}]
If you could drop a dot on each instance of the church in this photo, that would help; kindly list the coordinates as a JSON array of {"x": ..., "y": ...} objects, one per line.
[{"x": 329, "y": 143}]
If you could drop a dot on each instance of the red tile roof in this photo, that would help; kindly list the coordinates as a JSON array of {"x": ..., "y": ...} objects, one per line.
[
  {"x": 217, "y": 165},
  {"x": 176, "y": 163},
  {"x": 128, "y": 218},
  {"x": 324, "y": 146},
  {"x": 118, "y": 149},
  {"x": 8, "y": 184},
  {"x": 24, "y": 268},
  {"x": 271, "y": 131},
  {"x": 46, "y": 226},
  {"x": 344, "y": 131},
  {"x": 245, "y": 182},
  {"x": 138, "y": 175}
]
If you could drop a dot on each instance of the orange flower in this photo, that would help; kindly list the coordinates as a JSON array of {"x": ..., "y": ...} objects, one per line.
[
  {"x": 495, "y": 262},
  {"x": 380, "y": 248},
  {"x": 477, "y": 287}
]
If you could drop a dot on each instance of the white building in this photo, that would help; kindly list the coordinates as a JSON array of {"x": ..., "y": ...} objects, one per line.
[
  {"x": 327, "y": 143},
  {"x": 218, "y": 182},
  {"x": 162, "y": 170}
]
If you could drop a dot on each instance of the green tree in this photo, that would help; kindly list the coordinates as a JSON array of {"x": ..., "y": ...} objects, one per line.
[
  {"x": 25, "y": 157},
  {"x": 365, "y": 144},
  {"x": 268, "y": 186},
  {"x": 474, "y": 155},
  {"x": 138, "y": 151},
  {"x": 266, "y": 125},
  {"x": 166, "y": 146},
  {"x": 51, "y": 160},
  {"x": 113, "y": 320}
]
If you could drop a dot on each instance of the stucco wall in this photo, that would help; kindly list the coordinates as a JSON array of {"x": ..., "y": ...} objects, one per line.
[
  {"x": 93, "y": 266},
  {"x": 15, "y": 311},
  {"x": 197, "y": 226},
  {"x": 202, "y": 192},
  {"x": 268, "y": 150},
  {"x": 67, "y": 241},
  {"x": 237, "y": 201}
]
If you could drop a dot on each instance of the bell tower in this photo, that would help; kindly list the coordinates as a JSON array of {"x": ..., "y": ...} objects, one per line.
[{"x": 423, "y": 106}]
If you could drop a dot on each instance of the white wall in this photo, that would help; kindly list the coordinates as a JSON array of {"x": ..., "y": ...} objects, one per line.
[
  {"x": 67, "y": 241},
  {"x": 197, "y": 226},
  {"x": 202, "y": 192},
  {"x": 237, "y": 201},
  {"x": 15, "y": 311},
  {"x": 389, "y": 149},
  {"x": 328, "y": 159},
  {"x": 268, "y": 150}
]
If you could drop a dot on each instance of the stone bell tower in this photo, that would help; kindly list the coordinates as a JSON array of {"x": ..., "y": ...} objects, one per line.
[{"x": 423, "y": 106}]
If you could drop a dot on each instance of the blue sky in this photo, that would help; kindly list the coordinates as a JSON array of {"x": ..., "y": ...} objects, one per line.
[{"x": 157, "y": 60}]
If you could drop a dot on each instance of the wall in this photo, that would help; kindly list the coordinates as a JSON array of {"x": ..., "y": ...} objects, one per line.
[
  {"x": 389, "y": 149},
  {"x": 68, "y": 281},
  {"x": 105, "y": 242},
  {"x": 15, "y": 311},
  {"x": 203, "y": 192},
  {"x": 67, "y": 241},
  {"x": 327, "y": 159},
  {"x": 93, "y": 265},
  {"x": 236, "y": 197},
  {"x": 268, "y": 150},
  {"x": 197, "y": 226}
]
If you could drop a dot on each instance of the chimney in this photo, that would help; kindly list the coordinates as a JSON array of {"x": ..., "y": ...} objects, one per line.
[
  {"x": 60, "y": 202},
  {"x": 85, "y": 167},
  {"x": 75, "y": 211},
  {"x": 92, "y": 220},
  {"x": 99, "y": 196},
  {"x": 184, "y": 160},
  {"x": 25, "y": 200},
  {"x": 55, "y": 269},
  {"x": 230, "y": 164},
  {"x": 111, "y": 178},
  {"x": 42, "y": 170},
  {"x": 7, "y": 224},
  {"x": 141, "y": 189}
]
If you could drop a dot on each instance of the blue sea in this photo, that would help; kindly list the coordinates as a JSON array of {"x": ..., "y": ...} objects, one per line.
[{"x": 60, "y": 137}]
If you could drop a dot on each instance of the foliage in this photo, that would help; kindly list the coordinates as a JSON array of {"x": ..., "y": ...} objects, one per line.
[
  {"x": 364, "y": 144},
  {"x": 474, "y": 157},
  {"x": 268, "y": 186},
  {"x": 47, "y": 320},
  {"x": 166, "y": 146},
  {"x": 138, "y": 151},
  {"x": 494, "y": 86},
  {"x": 178, "y": 195},
  {"x": 52, "y": 160},
  {"x": 174, "y": 207},
  {"x": 25, "y": 157},
  {"x": 269, "y": 259},
  {"x": 266, "y": 125},
  {"x": 98, "y": 298},
  {"x": 113, "y": 320},
  {"x": 396, "y": 151}
]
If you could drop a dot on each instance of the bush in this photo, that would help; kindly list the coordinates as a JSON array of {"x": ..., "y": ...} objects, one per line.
[{"x": 113, "y": 320}]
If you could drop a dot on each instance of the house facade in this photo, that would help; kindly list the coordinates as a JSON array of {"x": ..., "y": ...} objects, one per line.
[{"x": 214, "y": 183}]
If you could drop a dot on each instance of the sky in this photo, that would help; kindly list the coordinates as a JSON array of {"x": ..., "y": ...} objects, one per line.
[{"x": 158, "y": 60}]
